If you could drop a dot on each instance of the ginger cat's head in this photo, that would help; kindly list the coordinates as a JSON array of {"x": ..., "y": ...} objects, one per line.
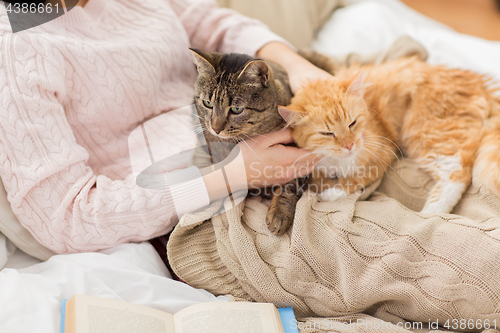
[{"x": 329, "y": 117}]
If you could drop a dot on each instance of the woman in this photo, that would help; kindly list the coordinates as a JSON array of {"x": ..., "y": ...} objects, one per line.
[{"x": 73, "y": 89}]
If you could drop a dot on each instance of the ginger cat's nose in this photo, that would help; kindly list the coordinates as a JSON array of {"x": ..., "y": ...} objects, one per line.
[{"x": 349, "y": 146}]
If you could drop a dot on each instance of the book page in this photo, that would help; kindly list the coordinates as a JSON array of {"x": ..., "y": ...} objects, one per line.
[
  {"x": 221, "y": 317},
  {"x": 100, "y": 315}
]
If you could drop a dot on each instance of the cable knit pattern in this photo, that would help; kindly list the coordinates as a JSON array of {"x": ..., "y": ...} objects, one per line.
[
  {"x": 73, "y": 89},
  {"x": 351, "y": 259}
]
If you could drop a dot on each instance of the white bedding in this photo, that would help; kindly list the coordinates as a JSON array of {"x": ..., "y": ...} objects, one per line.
[
  {"x": 31, "y": 292},
  {"x": 30, "y": 297},
  {"x": 368, "y": 26}
]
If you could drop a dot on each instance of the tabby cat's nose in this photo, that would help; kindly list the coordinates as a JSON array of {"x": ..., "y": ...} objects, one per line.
[
  {"x": 349, "y": 146},
  {"x": 217, "y": 131}
]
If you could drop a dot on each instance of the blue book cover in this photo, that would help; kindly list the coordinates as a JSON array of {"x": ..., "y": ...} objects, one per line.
[
  {"x": 288, "y": 320},
  {"x": 63, "y": 315}
]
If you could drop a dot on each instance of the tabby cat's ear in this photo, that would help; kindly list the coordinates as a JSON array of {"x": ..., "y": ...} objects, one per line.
[
  {"x": 357, "y": 87},
  {"x": 203, "y": 65},
  {"x": 290, "y": 116},
  {"x": 256, "y": 72}
]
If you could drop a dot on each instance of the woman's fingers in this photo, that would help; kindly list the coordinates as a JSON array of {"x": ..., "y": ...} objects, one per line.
[
  {"x": 275, "y": 142},
  {"x": 267, "y": 161},
  {"x": 275, "y": 138},
  {"x": 293, "y": 155},
  {"x": 302, "y": 75}
]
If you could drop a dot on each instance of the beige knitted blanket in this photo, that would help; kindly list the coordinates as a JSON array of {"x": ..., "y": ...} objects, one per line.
[
  {"x": 355, "y": 265},
  {"x": 361, "y": 264}
]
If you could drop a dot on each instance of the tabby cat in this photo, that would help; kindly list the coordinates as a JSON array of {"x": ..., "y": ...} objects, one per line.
[
  {"x": 237, "y": 97},
  {"x": 446, "y": 119}
]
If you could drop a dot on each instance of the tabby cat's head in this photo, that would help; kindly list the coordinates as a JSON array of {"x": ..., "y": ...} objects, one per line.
[
  {"x": 235, "y": 95},
  {"x": 329, "y": 117}
]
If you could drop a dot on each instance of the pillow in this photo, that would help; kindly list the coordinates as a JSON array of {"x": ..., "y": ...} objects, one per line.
[
  {"x": 295, "y": 20},
  {"x": 16, "y": 233}
]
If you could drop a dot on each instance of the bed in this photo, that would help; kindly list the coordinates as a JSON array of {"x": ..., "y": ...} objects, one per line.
[{"x": 31, "y": 290}]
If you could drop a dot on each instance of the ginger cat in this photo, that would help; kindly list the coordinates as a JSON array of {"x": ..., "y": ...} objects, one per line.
[{"x": 446, "y": 119}]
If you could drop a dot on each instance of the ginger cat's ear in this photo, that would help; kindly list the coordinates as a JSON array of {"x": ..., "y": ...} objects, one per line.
[
  {"x": 357, "y": 87},
  {"x": 290, "y": 116},
  {"x": 202, "y": 61}
]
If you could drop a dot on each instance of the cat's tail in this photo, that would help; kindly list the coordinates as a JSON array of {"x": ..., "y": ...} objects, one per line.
[{"x": 487, "y": 165}]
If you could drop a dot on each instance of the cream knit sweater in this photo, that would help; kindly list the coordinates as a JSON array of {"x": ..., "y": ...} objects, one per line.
[{"x": 71, "y": 92}]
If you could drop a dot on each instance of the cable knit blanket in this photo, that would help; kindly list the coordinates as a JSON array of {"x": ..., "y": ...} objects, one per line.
[{"x": 355, "y": 265}]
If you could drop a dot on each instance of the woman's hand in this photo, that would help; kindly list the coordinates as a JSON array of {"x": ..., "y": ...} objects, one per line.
[
  {"x": 304, "y": 72},
  {"x": 267, "y": 161},
  {"x": 257, "y": 162},
  {"x": 299, "y": 70}
]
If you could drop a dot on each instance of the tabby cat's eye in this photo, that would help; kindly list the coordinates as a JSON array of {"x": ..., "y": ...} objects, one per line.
[
  {"x": 208, "y": 104},
  {"x": 352, "y": 124},
  {"x": 328, "y": 133},
  {"x": 236, "y": 110}
]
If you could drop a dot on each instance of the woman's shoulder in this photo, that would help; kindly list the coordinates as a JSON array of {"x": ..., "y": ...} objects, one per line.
[
  {"x": 20, "y": 42},
  {"x": 30, "y": 59},
  {"x": 30, "y": 49}
]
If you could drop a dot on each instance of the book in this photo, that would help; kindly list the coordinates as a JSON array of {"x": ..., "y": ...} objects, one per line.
[{"x": 93, "y": 314}]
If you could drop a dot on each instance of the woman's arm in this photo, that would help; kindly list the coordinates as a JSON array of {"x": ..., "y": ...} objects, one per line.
[
  {"x": 220, "y": 29},
  {"x": 299, "y": 70},
  {"x": 53, "y": 191}
]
